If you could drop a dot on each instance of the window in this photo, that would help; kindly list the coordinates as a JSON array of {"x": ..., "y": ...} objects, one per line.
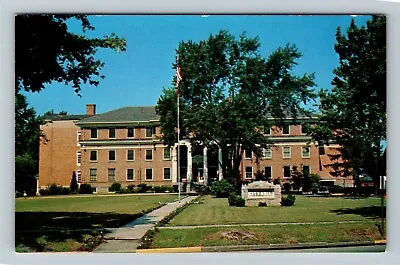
[
  {"x": 306, "y": 171},
  {"x": 111, "y": 174},
  {"x": 78, "y": 137},
  {"x": 94, "y": 190},
  {"x": 268, "y": 172},
  {"x": 247, "y": 154},
  {"x": 149, "y": 154},
  {"x": 111, "y": 155},
  {"x": 167, "y": 153},
  {"x": 93, "y": 174},
  {"x": 305, "y": 128},
  {"x": 149, "y": 132},
  {"x": 249, "y": 173},
  {"x": 93, "y": 133},
  {"x": 130, "y": 155},
  {"x": 305, "y": 151},
  {"x": 267, "y": 153},
  {"x": 286, "y": 171},
  {"x": 149, "y": 174},
  {"x": 130, "y": 133},
  {"x": 78, "y": 176},
  {"x": 78, "y": 158},
  {"x": 130, "y": 174},
  {"x": 267, "y": 130},
  {"x": 286, "y": 152},
  {"x": 93, "y": 155},
  {"x": 167, "y": 173},
  {"x": 111, "y": 133},
  {"x": 286, "y": 129}
]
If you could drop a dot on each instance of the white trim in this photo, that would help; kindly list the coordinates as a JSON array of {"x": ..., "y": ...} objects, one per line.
[
  {"x": 170, "y": 175},
  {"x": 127, "y": 151},
  {"x": 309, "y": 152},
  {"x": 108, "y": 173},
  {"x": 136, "y": 146},
  {"x": 126, "y": 175},
  {"x": 94, "y": 189},
  {"x": 78, "y": 155},
  {"x": 115, "y": 156},
  {"x": 78, "y": 135},
  {"x": 145, "y": 155},
  {"x": 145, "y": 132},
  {"x": 283, "y": 152},
  {"x": 90, "y": 169},
  {"x": 245, "y": 172},
  {"x": 152, "y": 176},
  {"x": 265, "y": 151},
  {"x": 78, "y": 176}
]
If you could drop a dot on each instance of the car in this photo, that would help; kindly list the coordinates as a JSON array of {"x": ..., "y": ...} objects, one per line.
[{"x": 322, "y": 190}]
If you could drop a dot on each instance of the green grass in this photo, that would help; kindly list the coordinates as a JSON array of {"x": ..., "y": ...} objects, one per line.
[
  {"x": 48, "y": 224},
  {"x": 306, "y": 209},
  {"x": 279, "y": 234}
]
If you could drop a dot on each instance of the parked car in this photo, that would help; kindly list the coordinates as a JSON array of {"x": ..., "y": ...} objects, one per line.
[{"x": 323, "y": 190}]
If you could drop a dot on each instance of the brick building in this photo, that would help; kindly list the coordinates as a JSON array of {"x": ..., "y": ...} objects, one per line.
[{"x": 124, "y": 146}]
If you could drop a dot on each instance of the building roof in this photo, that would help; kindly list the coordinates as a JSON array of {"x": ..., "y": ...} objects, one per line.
[
  {"x": 57, "y": 117},
  {"x": 125, "y": 114}
]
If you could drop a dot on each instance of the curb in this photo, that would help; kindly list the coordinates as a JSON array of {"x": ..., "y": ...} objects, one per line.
[{"x": 259, "y": 247}]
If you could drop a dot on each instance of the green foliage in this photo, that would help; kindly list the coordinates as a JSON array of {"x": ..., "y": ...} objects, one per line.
[
  {"x": 222, "y": 188},
  {"x": 227, "y": 92},
  {"x": 74, "y": 183},
  {"x": 297, "y": 178},
  {"x": 287, "y": 187},
  {"x": 115, "y": 187},
  {"x": 142, "y": 188},
  {"x": 277, "y": 181},
  {"x": 236, "y": 200},
  {"x": 85, "y": 189},
  {"x": 131, "y": 188},
  {"x": 200, "y": 188},
  {"x": 288, "y": 201},
  {"x": 355, "y": 108}
]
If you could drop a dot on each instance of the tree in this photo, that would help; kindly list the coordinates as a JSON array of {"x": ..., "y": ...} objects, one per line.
[
  {"x": 228, "y": 92},
  {"x": 74, "y": 183},
  {"x": 353, "y": 113},
  {"x": 46, "y": 52}
]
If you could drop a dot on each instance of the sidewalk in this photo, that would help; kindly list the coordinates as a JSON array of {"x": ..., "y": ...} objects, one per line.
[{"x": 127, "y": 238}]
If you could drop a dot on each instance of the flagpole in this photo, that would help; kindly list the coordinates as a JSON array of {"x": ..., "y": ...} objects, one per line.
[{"x": 178, "y": 147}]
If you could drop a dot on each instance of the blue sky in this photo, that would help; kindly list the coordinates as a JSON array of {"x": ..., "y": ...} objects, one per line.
[{"x": 136, "y": 77}]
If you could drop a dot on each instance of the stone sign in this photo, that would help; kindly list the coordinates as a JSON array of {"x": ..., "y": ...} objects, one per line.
[{"x": 261, "y": 192}]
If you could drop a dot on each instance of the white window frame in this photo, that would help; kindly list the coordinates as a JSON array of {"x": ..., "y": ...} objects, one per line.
[
  {"x": 78, "y": 176},
  {"x": 309, "y": 151},
  {"x": 90, "y": 155},
  {"x": 272, "y": 175},
  {"x": 169, "y": 173},
  {"x": 283, "y": 129},
  {"x": 166, "y": 148},
  {"x": 290, "y": 172},
  {"x": 127, "y": 156},
  {"x": 127, "y": 132},
  {"x": 145, "y": 174},
  {"x": 97, "y": 133},
  {"x": 115, "y": 155},
  {"x": 108, "y": 174},
  {"x": 115, "y": 133},
  {"x": 265, "y": 151},
  {"x": 145, "y": 155},
  {"x": 90, "y": 175},
  {"x": 246, "y": 153},
  {"x": 94, "y": 189},
  {"x": 245, "y": 172},
  {"x": 152, "y": 132},
  {"x": 79, "y": 158},
  {"x": 283, "y": 152},
  {"x": 78, "y": 137},
  {"x": 133, "y": 174}
]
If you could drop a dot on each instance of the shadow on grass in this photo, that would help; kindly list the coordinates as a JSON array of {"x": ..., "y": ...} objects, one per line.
[{"x": 371, "y": 212}]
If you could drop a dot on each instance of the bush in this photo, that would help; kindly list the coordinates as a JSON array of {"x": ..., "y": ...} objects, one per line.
[
  {"x": 85, "y": 189},
  {"x": 336, "y": 189},
  {"x": 54, "y": 189},
  {"x": 42, "y": 192},
  {"x": 277, "y": 181},
  {"x": 115, "y": 187},
  {"x": 288, "y": 201},
  {"x": 74, "y": 183},
  {"x": 141, "y": 188},
  {"x": 131, "y": 188},
  {"x": 200, "y": 188},
  {"x": 287, "y": 186},
  {"x": 236, "y": 200},
  {"x": 65, "y": 191},
  {"x": 222, "y": 188},
  {"x": 122, "y": 191}
]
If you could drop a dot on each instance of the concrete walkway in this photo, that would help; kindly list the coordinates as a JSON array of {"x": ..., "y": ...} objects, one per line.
[{"x": 127, "y": 238}]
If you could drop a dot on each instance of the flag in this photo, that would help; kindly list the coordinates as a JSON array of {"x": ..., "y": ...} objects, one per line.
[{"x": 178, "y": 76}]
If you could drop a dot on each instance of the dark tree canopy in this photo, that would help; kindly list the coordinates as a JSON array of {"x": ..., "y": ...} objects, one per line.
[
  {"x": 45, "y": 52},
  {"x": 354, "y": 111},
  {"x": 228, "y": 92}
]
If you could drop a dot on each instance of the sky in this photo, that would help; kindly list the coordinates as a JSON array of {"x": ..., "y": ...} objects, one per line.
[{"x": 137, "y": 76}]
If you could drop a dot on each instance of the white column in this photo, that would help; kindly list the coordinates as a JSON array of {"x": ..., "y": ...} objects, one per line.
[
  {"x": 220, "y": 175},
  {"x": 174, "y": 166},
  {"x": 205, "y": 166}
]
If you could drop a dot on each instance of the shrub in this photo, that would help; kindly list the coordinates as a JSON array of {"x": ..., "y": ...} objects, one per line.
[
  {"x": 53, "y": 189},
  {"x": 74, "y": 183},
  {"x": 115, "y": 187},
  {"x": 131, "y": 188},
  {"x": 277, "y": 181},
  {"x": 236, "y": 200},
  {"x": 65, "y": 191},
  {"x": 122, "y": 191},
  {"x": 336, "y": 189},
  {"x": 222, "y": 188},
  {"x": 42, "y": 192},
  {"x": 85, "y": 189},
  {"x": 287, "y": 186},
  {"x": 288, "y": 201},
  {"x": 143, "y": 188},
  {"x": 200, "y": 188}
]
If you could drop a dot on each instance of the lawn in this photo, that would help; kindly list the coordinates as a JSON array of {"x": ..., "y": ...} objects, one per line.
[
  {"x": 306, "y": 209},
  {"x": 48, "y": 224}
]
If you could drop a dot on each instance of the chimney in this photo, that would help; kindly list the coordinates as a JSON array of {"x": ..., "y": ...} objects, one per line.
[{"x": 91, "y": 109}]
